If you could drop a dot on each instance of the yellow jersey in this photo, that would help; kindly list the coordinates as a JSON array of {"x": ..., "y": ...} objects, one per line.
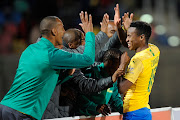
[{"x": 141, "y": 71}]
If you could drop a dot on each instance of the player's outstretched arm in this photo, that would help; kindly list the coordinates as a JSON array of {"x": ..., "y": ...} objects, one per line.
[
  {"x": 117, "y": 21},
  {"x": 60, "y": 59}
]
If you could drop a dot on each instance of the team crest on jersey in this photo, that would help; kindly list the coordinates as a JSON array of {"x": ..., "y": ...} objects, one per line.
[{"x": 130, "y": 70}]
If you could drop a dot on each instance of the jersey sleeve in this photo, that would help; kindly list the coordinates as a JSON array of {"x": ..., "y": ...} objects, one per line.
[
  {"x": 60, "y": 59},
  {"x": 135, "y": 67}
]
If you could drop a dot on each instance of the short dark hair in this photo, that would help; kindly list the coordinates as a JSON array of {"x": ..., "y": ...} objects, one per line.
[
  {"x": 112, "y": 54},
  {"x": 47, "y": 24},
  {"x": 142, "y": 28},
  {"x": 67, "y": 38},
  {"x": 77, "y": 34}
]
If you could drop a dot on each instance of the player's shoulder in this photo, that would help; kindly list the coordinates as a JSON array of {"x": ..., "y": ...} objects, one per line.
[
  {"x": 136, "y": 59},
  {"x": 154, "y": 48},
  {"x": 139, "y": 55}
]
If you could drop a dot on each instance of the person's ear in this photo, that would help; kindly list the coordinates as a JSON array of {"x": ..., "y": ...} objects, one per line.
[
  {"x": 142, "y": 37},
  {"x": 54, "y": 32},
  {"x": 70, "y": 45}
]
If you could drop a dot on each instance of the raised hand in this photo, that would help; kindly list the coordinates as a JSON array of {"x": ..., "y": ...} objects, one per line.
[
  {"x": 104, "y": 23},
  {"x": 117, "y": 22},
  {"x": 103, "y": 109},
  {"x": 116, "y": 15},
  {"x": 86, "y": 24},
  {"x": 127, "y": 20}
]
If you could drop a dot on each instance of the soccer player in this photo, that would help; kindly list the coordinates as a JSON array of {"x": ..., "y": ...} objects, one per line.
[
  {"x": 139, "y": 78},
  {"x": 38, "y": 70}
]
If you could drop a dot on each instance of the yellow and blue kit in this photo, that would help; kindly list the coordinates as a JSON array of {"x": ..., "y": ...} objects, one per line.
[{"x": 141, "y": 72}]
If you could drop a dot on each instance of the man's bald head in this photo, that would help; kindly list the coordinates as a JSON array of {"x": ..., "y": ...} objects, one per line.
[
  {"x": 47, "y": 24},
  {"x": 111, "y": 28},
  {"x": 72, "y": 38}
]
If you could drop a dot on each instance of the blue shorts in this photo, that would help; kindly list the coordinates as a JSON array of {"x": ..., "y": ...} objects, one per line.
[{"x": 140, "y": 114}]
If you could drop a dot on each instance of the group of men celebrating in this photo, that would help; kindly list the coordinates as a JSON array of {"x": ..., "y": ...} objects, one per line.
[{"x": 67, "y": 73}]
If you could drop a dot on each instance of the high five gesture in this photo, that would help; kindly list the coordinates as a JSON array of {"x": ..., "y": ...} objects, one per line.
[
  {"x": 86, "y": 24},
  {"x": 127, "y": 20}
]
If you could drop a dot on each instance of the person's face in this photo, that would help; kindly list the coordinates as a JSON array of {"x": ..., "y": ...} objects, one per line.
[
  {"x": 133, "y": 40},
  {"x": 60, "y": 31},
  {"x": 111, "y": 29}
]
